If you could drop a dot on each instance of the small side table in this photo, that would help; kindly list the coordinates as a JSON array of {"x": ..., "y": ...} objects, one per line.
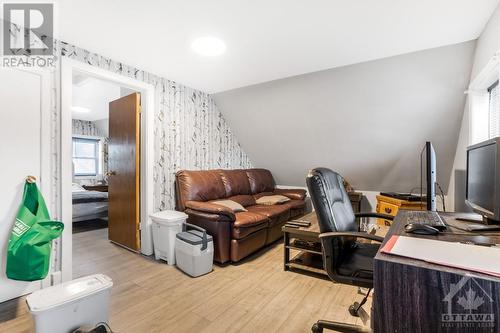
[{"x": 306, "y": 241}]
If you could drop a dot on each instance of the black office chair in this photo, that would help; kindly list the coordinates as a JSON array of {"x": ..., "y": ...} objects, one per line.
[{"x": 346, "y": 260}]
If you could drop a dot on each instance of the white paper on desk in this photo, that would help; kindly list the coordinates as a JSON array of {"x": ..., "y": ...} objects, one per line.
[{"x": 476, "y": 258}]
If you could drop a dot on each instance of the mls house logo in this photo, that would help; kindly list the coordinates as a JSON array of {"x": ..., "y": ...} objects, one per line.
[
  {"x": 468, "y": 305},
  {"x": 28, "y": 29}
]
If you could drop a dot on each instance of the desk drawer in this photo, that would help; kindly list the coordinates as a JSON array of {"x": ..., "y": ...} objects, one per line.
[{"x": 388, "y": 209}]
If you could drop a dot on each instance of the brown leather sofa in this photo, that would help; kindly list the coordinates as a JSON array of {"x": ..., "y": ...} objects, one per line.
[{"x": 236, "y": 235}]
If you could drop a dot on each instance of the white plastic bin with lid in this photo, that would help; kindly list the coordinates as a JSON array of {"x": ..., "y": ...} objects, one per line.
[
  {"x": 65, "y": 307},
  {"x": 194, "y": 250},
  {"x": 166, "y": 225}
]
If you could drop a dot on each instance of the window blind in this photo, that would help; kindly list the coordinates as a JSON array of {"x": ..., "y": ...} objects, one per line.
[
  {"x": 494, "y": 111},
  {"x": 85, "y": 156}
]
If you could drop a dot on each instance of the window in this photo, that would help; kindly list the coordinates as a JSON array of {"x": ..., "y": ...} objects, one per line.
[
  {"x": 85, "y": 156},
  {"x": 493, "y": 111}
]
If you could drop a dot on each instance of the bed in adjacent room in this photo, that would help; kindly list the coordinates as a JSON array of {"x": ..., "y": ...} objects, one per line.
[{"x": 89, "y": 205}]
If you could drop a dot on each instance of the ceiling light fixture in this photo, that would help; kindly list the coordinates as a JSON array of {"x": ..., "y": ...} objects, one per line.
[
  {"x": 208, "y": 46},
  {"x": 79, "y": 109}
]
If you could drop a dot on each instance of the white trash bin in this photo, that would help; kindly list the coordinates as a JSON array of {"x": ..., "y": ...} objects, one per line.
[
  {"x": 194, "y": 250},
  {"x": 166, "y": 225},
  {"x": 65, "y": 307}
]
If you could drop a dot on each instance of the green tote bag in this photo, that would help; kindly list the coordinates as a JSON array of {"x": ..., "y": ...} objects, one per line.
[{"x": 28, "y": 251}]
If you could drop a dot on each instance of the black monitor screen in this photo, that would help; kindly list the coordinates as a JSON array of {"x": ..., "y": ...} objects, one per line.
[{"x": 481, "y": 177}]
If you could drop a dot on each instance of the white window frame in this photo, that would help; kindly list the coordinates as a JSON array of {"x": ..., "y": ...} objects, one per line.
[{"x": 479, "y": 101}]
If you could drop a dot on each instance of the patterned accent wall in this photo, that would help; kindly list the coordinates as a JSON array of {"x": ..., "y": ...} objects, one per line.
[
  {"x": 84, "y": 127},
  {"x": 190, "y": 132}
]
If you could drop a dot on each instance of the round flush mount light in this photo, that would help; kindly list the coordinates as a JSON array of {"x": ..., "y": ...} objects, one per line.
[{"x": 208, "y": 46}]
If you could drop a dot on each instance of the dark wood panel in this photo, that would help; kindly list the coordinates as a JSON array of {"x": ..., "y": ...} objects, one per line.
[
  {"x": 99, "y": 188},
  {"x": 124, "y": 166},
  {"x": 412, "y": 295}
]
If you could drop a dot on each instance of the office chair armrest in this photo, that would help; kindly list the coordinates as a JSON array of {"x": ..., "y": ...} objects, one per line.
[
  {"x": 370, "y": 214},
  {"x": 355, "y": 234}
]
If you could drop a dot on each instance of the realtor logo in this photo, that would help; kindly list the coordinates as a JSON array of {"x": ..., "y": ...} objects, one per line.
[
  {"x": 468, "y": 305},
  {"x": 28, "y": 29}
]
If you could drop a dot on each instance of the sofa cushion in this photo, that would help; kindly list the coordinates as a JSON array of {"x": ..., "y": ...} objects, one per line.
[
  {"x": 261, "y": 180},
  {"x": 235, "y": 182},
  {"x": 270, "y": 200},
  {"x": 198, "y": 186},
  {"x": 244, "y": 200},
  {"x": 247, "y": 223},
  {"x": 276, "y": 214},
  {"x": 211, "y": 208}
]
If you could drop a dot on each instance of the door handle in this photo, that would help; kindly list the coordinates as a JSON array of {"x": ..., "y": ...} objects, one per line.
[{"x": 111, "y": 173}]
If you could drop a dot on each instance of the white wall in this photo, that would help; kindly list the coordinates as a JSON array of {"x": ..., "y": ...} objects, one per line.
[
  {"x": 368, "y": 121},
  {"x": 102, "y": 126},
  {"x": 486, "y": 46}
]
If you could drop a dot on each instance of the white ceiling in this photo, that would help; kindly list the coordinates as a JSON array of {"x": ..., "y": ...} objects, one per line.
[
  {"x": 266, "y": 39},
  {"x": 93, "y": 94}
]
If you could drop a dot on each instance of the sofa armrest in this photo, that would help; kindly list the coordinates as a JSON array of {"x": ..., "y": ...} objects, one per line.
[
  {"x": 294, "y": 194},
  {"x": 219, "y": 227},
  {"x": 211, "y": 208}
]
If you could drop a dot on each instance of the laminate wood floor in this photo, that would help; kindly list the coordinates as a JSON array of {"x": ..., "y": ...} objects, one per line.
[{"x": 150, "y": 296}]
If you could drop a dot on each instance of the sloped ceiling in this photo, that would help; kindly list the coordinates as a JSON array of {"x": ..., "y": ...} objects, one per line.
[
  {"x": 368, "y": 121},
  {"x": 266, "y": 39}
]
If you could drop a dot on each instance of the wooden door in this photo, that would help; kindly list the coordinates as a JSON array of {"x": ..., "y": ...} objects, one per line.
[
  {"x": 25, "y": 150},
  {"x": 124, "y": 171}
]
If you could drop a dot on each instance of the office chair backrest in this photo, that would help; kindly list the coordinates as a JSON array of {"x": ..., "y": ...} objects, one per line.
[
  {"x": 334, "y": 212},
  {"x": 330, "y": 200}
]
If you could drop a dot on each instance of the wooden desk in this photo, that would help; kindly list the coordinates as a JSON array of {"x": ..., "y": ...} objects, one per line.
[{"x": 412, "y": 295}]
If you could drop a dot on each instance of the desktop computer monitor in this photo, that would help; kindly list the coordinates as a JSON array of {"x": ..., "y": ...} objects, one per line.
[
  {"x": 483, "y": 179},
  {"x": 429, "y": 154}
]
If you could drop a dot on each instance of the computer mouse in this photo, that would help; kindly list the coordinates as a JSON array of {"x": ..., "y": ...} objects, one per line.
[{"x": 421, "y": 229}]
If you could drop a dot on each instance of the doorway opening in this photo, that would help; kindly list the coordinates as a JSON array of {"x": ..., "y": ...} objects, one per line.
[{"x": 107, "y": 161}]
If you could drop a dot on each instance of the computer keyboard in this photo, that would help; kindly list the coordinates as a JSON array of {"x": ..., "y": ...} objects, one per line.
[{"x": 426, "y": 217}]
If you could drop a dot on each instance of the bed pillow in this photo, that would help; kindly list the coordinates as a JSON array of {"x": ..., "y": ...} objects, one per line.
[
  {"x": 270, "y": 200},
  {"x": 77, "y": 188},
  {"x": 233, "y": 205}
]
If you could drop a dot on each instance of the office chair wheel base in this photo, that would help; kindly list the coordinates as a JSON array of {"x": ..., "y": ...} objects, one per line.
[
  {"x": 316, "y": 329},
  {"x": 354, "y": 309}
]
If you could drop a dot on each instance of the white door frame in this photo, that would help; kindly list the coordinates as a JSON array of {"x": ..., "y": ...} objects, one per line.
[{"x": 68, "y": 66}]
